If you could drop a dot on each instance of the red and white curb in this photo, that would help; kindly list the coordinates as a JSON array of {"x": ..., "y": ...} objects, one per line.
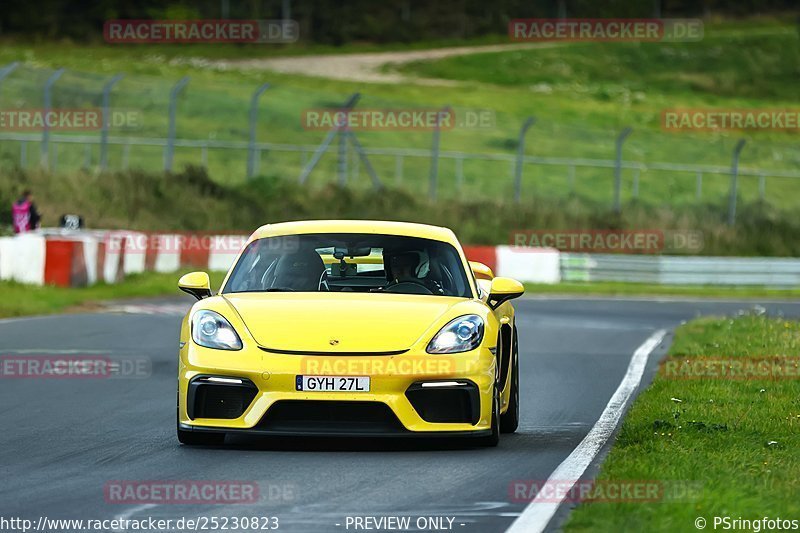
[{"x": 77, "y": 259}]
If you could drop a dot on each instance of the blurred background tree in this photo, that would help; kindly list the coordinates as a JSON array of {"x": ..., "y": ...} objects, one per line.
[{"x": 336, "y": 22}]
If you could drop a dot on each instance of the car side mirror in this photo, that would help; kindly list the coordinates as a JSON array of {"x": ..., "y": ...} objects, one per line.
[
  {"x": 196, "y": 283},
  {"x": 502, "y": 290},
  {"x": 481, "y": 271}
]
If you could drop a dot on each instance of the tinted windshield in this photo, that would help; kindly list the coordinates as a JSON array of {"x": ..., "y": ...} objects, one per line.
[{"x": 350, "y": 263}]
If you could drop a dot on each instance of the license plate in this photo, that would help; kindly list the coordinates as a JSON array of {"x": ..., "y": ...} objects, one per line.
[{"x": 332, "y": 383}]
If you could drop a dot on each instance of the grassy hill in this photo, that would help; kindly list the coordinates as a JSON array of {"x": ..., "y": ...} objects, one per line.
[{"x": 582, "y": 94}]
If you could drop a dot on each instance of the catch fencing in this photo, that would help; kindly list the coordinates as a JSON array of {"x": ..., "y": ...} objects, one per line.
[{"x": 240, "y": 132}]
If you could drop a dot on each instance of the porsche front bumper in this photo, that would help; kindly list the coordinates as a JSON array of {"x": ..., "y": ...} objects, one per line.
[{"x": 255, "y": 391}]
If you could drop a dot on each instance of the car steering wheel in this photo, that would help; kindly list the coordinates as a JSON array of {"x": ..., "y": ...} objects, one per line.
[{"x": 408, "y": 287}]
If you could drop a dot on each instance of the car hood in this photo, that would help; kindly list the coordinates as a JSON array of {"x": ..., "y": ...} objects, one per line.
[{"x": 339, "y": 323}]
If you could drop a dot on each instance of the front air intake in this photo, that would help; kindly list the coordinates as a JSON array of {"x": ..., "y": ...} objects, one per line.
[{"x": 219, "y": 397}]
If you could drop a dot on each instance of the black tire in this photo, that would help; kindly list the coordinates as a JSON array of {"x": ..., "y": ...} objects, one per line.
[
  {"x": 196, "y": 438},
  {"x": 509, "y": 421},
  {"x": 494, "y": 439}
]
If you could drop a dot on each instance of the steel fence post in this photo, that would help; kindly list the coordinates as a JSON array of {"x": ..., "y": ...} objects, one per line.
[
  {"x": 434, "y": 175},
  {"x": 251, "y": 151},
  {"x": 48, "y": 103},
  {"x": 737, "y": 150},
  {"x": 355, "y": 167},
  {"x": 341, "y": 159},
  {"x": 339, "y": 129},
  {"x": 106, "y": 120},
  {"x": 169, "y": 149},
  {"x": 618, "y": 169},
  {"x": 530, "y": 121},
  {"x": 376, "y": 182}
]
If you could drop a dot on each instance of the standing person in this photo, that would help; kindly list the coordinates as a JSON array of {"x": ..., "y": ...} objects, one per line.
[{"x": 24, "y": 215}]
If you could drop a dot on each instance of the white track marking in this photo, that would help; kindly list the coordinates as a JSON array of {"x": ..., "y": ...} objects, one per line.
[
  {"x": 538, "y": 513},
  {"x": 22, "y": 318},
  {"x": 132, "y": 511}
]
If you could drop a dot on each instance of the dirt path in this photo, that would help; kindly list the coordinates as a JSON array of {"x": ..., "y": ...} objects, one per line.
[{"x": 367, "y": 67}]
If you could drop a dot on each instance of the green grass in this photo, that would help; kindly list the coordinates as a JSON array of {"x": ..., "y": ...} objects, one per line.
[
  {"x": 718, "y": 435},
  {"x": 755, "y": 62},
  {"x": 644, "y": 289},
  {"x": 109, "y": 53},
  {"x": 582, "y": 95},
  {"x": 21, "y": 300},
  {"x": 191, "y": 200}
]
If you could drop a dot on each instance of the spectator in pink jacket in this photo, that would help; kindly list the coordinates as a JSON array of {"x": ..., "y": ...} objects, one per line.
[{"x": 24, "y": 215}]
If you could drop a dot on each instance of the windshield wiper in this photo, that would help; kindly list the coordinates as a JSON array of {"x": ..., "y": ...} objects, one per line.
[{"x": 279, "y": 289}]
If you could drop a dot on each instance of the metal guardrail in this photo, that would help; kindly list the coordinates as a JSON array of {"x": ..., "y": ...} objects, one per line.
[{"x": 781, "y": 273}]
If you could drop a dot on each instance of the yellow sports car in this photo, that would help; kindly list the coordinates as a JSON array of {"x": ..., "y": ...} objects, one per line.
[{"x": 350, "y": 328}]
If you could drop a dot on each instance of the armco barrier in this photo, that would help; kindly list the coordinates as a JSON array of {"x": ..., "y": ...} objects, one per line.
[
  {"x": 64, "y": 263},
  {"x": 680, "y": 270},
  {"x": 86, "y": 257},
  {"x": 483, "y": 254},
  {"x": 56, "y": 257},
  {"x": 22, "y": 258},
  {"x": 535, "y": 265}
]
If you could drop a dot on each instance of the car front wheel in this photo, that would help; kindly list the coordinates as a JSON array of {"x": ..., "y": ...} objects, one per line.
[
  {"x": 509, "y": 421},
  {"x": 197, "y": 438},
  {"x": 494, "y": 439}
]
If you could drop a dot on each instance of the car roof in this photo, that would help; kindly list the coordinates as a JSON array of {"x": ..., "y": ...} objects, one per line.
[{"x": 379, "y": 227}]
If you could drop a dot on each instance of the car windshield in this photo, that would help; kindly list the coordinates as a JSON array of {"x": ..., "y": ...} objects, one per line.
[{"x": 350, "y": 262}]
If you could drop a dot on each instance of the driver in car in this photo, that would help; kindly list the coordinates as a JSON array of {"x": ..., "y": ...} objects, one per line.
[{"x": 408, "y": 267}]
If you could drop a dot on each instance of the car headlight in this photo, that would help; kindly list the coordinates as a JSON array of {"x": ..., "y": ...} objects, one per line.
[
  {"x": 211, "y": 330},
  {"x": 463, "y": 334}
]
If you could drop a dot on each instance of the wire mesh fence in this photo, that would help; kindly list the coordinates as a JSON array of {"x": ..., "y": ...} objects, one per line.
[{"x": 212, "y": 126}]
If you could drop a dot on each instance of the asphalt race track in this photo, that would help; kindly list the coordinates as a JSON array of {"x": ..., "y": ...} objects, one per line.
[{"x": 63, "y": 440}]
